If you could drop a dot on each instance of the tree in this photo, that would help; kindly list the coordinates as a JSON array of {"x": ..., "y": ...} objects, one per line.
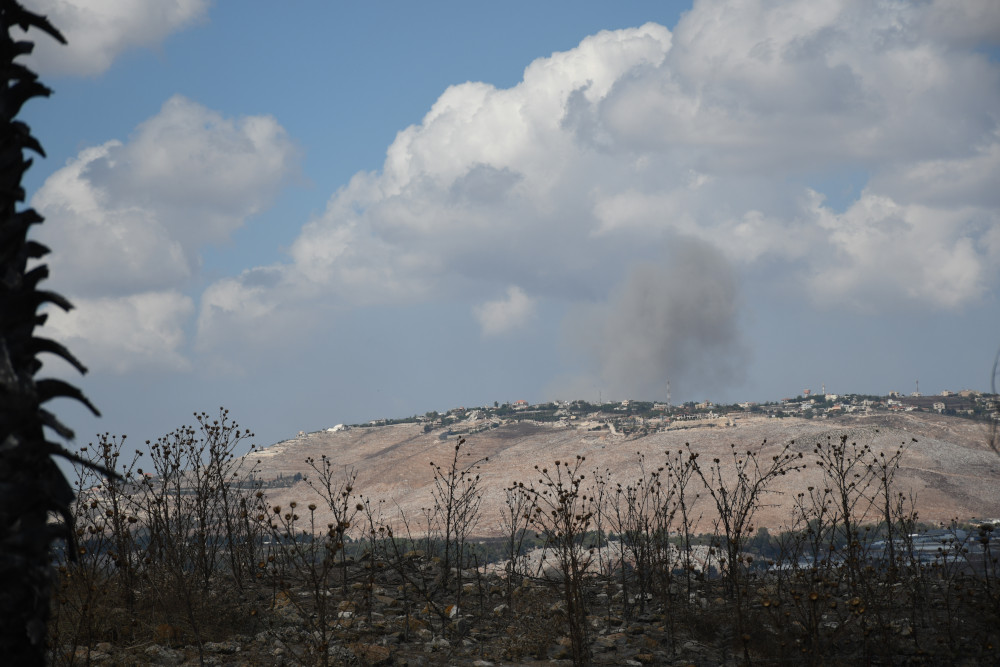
[
  {"x": 562, "y": 513},
  {"x": 31, "y": 485},
  {"x": 457, "y": 496},
  {"x": 738, "y": 487},
  {"x": 992, "y": 438}
]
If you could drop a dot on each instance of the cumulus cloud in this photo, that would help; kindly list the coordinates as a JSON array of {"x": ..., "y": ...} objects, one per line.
[
  {"x": 603, "y": 152},
  {"x": 482, "y": 187},
  {"x": 248, "y": 304},
  {"x": 97, "y": 32},
  {"x": 132, "y": 216},
  {"x": 721, "y": 131},
  {"x": 963, "y": 23},
  {"x": 676, "y": 320},
  {"x": 881, "y": 251},
  {"x": 505, "y": 315},
  {"x": 127, "y": 220},
  {"x": 143, "y": 331}
]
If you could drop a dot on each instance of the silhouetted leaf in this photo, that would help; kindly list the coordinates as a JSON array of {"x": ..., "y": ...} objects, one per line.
[
  {"x": 51, "y": 388},
  {"x": 49, "y": 419},
  {"x": 24, "y": 19},
  {"x": 39, "y": 345}
]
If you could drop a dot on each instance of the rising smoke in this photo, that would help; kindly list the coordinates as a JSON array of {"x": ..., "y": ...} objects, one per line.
[{"x": 677, "y": 320}]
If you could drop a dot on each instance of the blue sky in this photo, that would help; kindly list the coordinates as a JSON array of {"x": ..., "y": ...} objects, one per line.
[{"x": 351, "y": 211}]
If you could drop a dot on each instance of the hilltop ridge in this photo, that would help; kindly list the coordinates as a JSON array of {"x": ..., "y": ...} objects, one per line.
[{"x": 947, "y": 467}]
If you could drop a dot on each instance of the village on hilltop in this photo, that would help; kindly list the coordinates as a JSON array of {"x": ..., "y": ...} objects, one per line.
[{"x": 632, "y": 417}]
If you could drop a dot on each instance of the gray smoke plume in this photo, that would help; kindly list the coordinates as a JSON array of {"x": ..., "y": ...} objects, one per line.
[{"x": 676, "y": 320}]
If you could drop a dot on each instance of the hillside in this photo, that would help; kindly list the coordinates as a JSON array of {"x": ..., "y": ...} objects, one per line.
[{"x": 949, "y": 470}]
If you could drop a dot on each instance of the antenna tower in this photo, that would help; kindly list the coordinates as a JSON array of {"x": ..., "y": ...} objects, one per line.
[{"x": 668, "y": 393}]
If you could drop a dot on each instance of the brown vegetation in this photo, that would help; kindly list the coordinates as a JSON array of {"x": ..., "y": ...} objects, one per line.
[{"x": 189, "y": 559}]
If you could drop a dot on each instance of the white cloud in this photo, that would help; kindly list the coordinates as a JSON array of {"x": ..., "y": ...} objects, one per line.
[
  {"x": 224, "y": 168},
  {"x": 127, "y": 220},
  {"x": 100, "y": 246},
  {"x": 247, "y": 305},
  {"x": 963, "y": 23},
  {"x": 97, "y": 32},
  {"x": 505, "y": 315},
  {"x": 137, "y": 332},
  {"x": 125, "y": 217},
  {"x": 717, "y": 131},
  {"x": 881, "y": 251},
  {"x": 952, "y": 182}
]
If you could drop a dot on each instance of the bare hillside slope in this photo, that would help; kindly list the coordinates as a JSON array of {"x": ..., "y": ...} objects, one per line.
[{"x": 948, "y": 470}]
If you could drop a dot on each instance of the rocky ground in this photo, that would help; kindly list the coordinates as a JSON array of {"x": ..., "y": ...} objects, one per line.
[{"x": 387, "y": 617}]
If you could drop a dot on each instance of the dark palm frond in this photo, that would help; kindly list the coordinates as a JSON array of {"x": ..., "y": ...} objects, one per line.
[
  {"x": 49, "y": 389},
  {"x": 22, "y": 18},
  {"x": 32, "y": 488},
  {"x": 39, "y": 345}
]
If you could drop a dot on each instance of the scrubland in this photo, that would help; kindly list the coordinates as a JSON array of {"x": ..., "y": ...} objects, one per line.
[{"x": 185, "y": 556}]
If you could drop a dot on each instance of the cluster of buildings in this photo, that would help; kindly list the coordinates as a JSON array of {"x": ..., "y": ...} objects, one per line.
[{"x": 641, "y": 417}]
